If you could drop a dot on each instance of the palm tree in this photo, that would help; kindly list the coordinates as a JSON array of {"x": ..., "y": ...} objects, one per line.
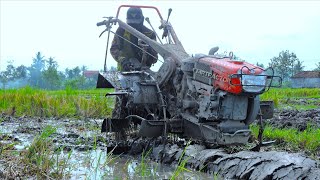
[{"x": 35, "y": 70}]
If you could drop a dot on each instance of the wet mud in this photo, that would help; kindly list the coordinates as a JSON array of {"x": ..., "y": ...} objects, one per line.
[
  {"x": 244, "y": 164},
  {"x": 89, "y": 149},
  {"x": 83, "y": 137},
  {"x": 298, "y": 119}
]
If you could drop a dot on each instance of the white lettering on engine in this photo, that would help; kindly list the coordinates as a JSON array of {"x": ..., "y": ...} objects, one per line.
[{"x": 214, "y": 76}]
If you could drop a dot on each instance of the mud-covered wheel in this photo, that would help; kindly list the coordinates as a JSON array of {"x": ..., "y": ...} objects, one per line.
[{"x": 119, "y": 111}]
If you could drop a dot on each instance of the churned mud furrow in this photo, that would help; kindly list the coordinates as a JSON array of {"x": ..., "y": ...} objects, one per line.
[
  {"x": 249, "y": 165},
  {"x": 295, "y": 119},
  {"x": 282, "y": 172},
  {"x": 207, "y": 157}
]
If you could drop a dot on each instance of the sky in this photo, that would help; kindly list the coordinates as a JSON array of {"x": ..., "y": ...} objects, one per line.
[{"x": 67, "y": 31}]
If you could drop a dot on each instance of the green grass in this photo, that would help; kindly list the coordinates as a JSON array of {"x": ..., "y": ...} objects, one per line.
[
  {"x": 288, "y": 97},
  {"x": 143, "y": 169},
  {"x": 307, "y": 140},
  {"x": 282, "y": 93},
  {"x": 40, "y": 160},
  {"x": 62, "y": 103},
  {"x": 93, "y": 103},
  {"x": 304, "y": 107},
  {"x": 181, "y": 164}
]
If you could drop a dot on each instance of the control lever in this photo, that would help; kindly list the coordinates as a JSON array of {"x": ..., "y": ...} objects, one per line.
[
  {"x": 145, "y": 49},
  {"x": 108, "y": 24},
  {"x": 165, "y": 30},
  {"x": 147, "y": 19}
]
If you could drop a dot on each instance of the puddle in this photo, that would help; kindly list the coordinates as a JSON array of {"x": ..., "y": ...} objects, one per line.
[{"x": 95, "y": 165}]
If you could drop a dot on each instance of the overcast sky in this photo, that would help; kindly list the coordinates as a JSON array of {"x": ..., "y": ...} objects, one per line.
[{"x": 67, "y": 31}]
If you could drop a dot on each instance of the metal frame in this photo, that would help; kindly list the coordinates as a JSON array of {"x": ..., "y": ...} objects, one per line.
[{"x": 239, "y": 75}]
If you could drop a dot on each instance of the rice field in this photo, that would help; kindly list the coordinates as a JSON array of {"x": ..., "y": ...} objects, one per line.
[
  {"x": 93, "y": 103},
  {"x": 286, "y": 95},
  {"x": 62, "y": 103}
]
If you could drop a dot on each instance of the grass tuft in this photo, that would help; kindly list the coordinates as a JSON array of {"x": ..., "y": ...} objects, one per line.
[
  {"x": 39, "y": 158},
  {"x": 181, "y": 164},
  {"x": 307, "y": 140}
]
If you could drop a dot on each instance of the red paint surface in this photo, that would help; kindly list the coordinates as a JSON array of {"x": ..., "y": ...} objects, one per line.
[{"x": 223, "y": 68}]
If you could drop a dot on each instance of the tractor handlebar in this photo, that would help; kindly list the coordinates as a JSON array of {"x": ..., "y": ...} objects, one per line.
[{"x": 101, "y": 23}]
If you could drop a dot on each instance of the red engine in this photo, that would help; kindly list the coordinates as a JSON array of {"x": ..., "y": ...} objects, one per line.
[{"x": 230, "y": 75}]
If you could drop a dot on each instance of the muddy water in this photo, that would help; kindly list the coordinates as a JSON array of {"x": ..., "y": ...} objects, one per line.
[
  {"x": 90, "y": 165},
  {"x": 84, "y": 150}
]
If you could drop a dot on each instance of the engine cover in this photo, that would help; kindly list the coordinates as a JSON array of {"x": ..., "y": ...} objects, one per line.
[
  {"x": 140, "y": 89},
  {"x": 234, "y": 107},
  {"x": 223, "y": 107}
]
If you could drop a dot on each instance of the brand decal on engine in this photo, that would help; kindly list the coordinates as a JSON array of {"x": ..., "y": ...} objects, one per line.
[
  {"x": 202, "y": 72},
  {"x": 218, "y": 77},
  {"x": 214, "y": 76}
]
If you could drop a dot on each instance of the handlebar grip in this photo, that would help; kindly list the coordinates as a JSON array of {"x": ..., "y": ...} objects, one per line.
[{"x": 101, "y": 23}]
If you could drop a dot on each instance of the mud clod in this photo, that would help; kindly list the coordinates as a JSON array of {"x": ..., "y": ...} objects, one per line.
[{"x": 295, "y": 119}]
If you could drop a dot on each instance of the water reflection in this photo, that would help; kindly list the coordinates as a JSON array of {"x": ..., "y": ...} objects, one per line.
[{"x": 97, "y": 164}]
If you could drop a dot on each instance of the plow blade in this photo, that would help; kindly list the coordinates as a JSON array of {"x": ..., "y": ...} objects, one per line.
[
  {"x": 114, "y": 125},
  {"x": 151, "y": 128},
  {"x": 103, "y": 82}
]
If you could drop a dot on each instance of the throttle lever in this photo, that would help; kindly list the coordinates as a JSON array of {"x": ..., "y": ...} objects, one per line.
[
  {"x": 169, "y": 13},
  {"x": 108, "y": 24},
  {"x": 105, "y": 22},
  {"x": 101, "y": 23}
]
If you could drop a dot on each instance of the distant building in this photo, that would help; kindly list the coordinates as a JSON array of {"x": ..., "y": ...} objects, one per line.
[
  {"x": 90, "y": 74},
  {"x": 306, "y": 79}
]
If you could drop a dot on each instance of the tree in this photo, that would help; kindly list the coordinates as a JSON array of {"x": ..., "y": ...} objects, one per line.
[
  {"x": 20, "y": 72},
  {"x": 83, "y": 68},
  {"x": 73, "y": 73},
  {"x": 35, "y": 70},
  {"x": 7, "y": 75},
  {"x": 260, "y": 64},
  {"x": 51, "y": 63},
  {"x": 50, "y": 75},
  {"x": 317, "y": 66},
  {"x": 298, "y": 67},
  {"x": 74, "y": 77},
  {"x": 286, "y": 64}
]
